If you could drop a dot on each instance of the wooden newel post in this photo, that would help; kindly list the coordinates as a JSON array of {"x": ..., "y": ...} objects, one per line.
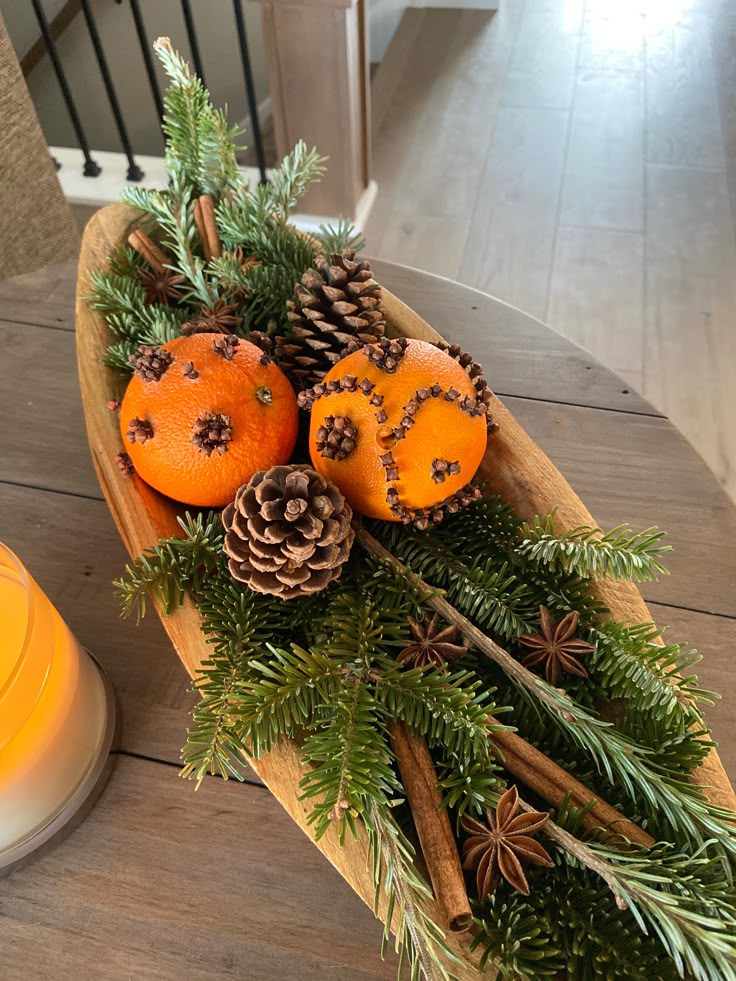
[{"x": 317, "y": 56}]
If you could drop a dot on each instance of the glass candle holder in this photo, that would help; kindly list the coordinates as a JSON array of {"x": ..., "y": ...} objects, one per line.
[{"x": 57, "y": 719}]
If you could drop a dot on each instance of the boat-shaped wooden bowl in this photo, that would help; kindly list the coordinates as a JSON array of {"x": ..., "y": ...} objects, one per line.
[{"x": 515, "y": 468}]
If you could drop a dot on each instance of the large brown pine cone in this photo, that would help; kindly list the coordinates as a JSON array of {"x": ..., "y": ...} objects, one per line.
[
  {"x": 288, "y": 532},
  {"x": 335, "y": 303}
]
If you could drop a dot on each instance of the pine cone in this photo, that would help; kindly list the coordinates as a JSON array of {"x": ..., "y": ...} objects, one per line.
[
  {"x": 288, "y": 532},
  {"x": 335, "y": 303}
]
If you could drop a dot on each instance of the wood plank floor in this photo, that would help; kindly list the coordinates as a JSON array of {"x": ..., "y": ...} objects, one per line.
[{"x": 577, "y": 159}]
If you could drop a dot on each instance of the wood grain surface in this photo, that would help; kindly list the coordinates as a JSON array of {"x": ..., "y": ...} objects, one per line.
[
  {"x": 542, "y": 126},
  {"x": 98, "y": 906}
]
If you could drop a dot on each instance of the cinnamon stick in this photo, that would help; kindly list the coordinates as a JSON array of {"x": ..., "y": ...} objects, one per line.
[
  {"x": 433, "y": 826},
  {"x": 540, "y": 772},
  {"x": 153, "y": 255},
  {"x": 552, "y": 783},
  {"x": 204, "y": 219}
]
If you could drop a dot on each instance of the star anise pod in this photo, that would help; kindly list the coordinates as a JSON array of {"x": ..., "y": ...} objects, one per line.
[
  {"x": 218, "y": 319},
  {"x": 434, "y": 644},
  {"x": 161, "y": 287},
  {"x": 498, "y": 848},
  {"x": 246, "y": 261},
  {"x": 556, "y": 646}
]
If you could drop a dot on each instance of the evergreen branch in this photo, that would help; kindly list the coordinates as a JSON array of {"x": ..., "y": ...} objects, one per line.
[
  {"x": 213, "y": 744},
  {"x": 420, "y": 943},
  {"x": 122, "y": 302},
  {"x": 345, "y": 236},
  {"x": 485, "y": 588},
  {"x": 630, "y": 663},
  {"x": 449, "y": 709},
  {"x": 552, "y": 933},
  {"x": 359, "y": 630},
  {"x": 495, "y": 599},
  {"x": 199, "y": 142},
  {"x": 665, "y": 892},
  {"x": 298, "y": 170},
  {"x": 489, "y": 521},
  {"x": 517, "y": 939},
  {"x": 173, "y": 210},
  {"x": 165, "y": 571},
  {"x": 247, "y": 219},
  {"x": 239, "y": 624},
  {"x": 681, "y": 803},
  {"x": 616, "y": 554},
  {"x": 348, "y": 748},
  {"x": 118, "y": 356},
  {"x": 468, "y": 786},
  {"x": 677, "y": 749},
  {"x": 280, "y": 693}
]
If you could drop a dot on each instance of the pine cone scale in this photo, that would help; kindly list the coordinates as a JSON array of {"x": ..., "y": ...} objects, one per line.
[
  {"x": 288, "y": 532},
  {"x": 336, "y": 303}
]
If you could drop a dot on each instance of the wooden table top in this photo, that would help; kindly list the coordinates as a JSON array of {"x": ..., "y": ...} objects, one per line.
[{"x": 164, "y": 883}]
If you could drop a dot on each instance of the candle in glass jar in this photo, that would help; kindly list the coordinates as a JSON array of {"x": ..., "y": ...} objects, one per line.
[{"x": 55, "y": 721}]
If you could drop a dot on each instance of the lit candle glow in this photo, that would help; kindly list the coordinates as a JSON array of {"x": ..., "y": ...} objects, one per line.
[{"x": 54, "y": 712}]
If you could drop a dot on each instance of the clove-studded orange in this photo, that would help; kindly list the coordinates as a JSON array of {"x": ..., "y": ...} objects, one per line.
[
  {"x": 203, "y": 413},
  {"x": 401, "y": 426}
]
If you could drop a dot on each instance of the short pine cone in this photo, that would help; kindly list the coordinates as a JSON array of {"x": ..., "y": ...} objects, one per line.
[
  {"x": 335, "y": 303},
  {"x": 288, "y": 532}
]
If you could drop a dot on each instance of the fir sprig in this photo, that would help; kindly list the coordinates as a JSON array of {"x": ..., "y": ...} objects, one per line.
[
  {"x": 280, "y": 691},
  {"x": 615, "y": 554},
  {"x": 681, "y": 898},
  {"x": 121, "y": 300},
  {"x": 173, "y": 210},
  {"x": 299, "y": 169},
  {"x": 341, "y": 237},
  {"x": 631, "y": 663},
  {"x": 348, "y": 749},
  {"x": 450, "y": 709},
  {"x": 165, "y": 571},
  {"x": 200, "y": 148},
  {"x": 420, "y": 943}
]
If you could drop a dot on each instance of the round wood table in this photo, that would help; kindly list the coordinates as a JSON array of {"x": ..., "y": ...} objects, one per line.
[{"x": 164, "y": 883}]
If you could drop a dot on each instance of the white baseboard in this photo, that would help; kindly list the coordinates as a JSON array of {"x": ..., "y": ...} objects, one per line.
[{"x": 108, "y": 187}]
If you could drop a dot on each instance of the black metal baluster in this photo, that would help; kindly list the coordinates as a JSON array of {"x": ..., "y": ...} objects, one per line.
[
  {"x": 186, "y": 9},
  {"x": 91, "y": 167},
  {"x": 134, "y": 171},
  {"x": 147, "y": 57},
  {"x": 250, "y": 90}
]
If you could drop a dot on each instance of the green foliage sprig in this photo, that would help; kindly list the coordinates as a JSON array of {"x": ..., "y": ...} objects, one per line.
[
  {"x": 420, "y": 944},
  {"x": 200, "y": 149},
  {"x": 201, "y": 159},
  {"x": 630, "y": 661},
  {"x": 615, "y": 554},
  {"x": 166, "y": 571},
  {"x": 121, "y": 300},
  {"x": 674, "y": 805}
]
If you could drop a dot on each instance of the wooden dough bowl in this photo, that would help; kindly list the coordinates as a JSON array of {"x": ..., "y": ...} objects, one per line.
[{"x": 515, "y": 468}]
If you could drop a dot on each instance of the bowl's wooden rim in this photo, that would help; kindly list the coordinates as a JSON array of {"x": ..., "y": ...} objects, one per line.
[{"x": 514, "y": 467}]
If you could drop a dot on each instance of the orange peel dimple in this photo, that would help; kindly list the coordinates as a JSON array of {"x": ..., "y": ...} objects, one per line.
[
  {"x": 425, "y": 409},
  {"x": 206, "y": 412}
]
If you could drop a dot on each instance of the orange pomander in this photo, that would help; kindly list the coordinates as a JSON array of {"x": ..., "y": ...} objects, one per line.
[
  {"x": 401, "y": 427},
  {"x": 203, "y": 413}
]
